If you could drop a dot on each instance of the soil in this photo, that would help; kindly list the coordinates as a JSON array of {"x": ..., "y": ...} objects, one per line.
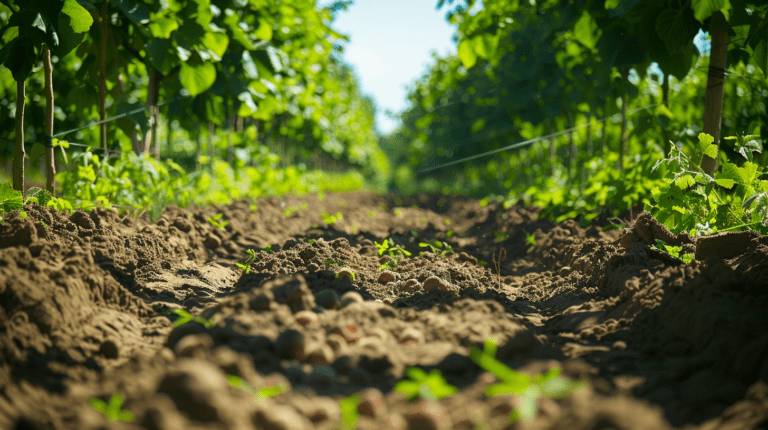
[{"x": 86, "y": 301}]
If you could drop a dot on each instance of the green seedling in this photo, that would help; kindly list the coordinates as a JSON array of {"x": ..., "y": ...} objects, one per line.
[
  {"x": 382, "y": 206},
  {"x": 216, "y": 221},
  {"x": 44, "y": 224},
  {"x": 112, "y": 410},
  {"x": 261, "y": 393},
  {"x": 349, "y": 414},
  {"x": 430, "y": 386},
  {"x": 254, "y": 208},
  {"x": 329, "y": 261},
  {"x": 330, "y": 219},
  {"x": 398, "y": 212},
  {"x": 321, "y": 196},
  {"x": 447, "y": 221},
  {"x": 500, "y": 236},
  {"x": 409, "y": 222},
  {"x": 674, "y": 251},
  {"x": 342, "y": 203},
  {"x": 482, "y": 263},
  {"x": 389, "y": 265},
  {"x": 516, "y": 383},
  {"x": 353, "y": 229},
  {"x": 424, "y": 220},
  {"x": 437, "y": 248},
  {"x": 290, "y": 210},
  {"x": 246, "y": 267},
  {"x": 372, "y": 214},
  {"x": 310, "y": 241},
  {"x": 449, "y": 233},
  {"x": 187, "y": 317},
  {"x": 388, "y": 247},
  {"x": 414, "y": 233},
  {"x": 530, "y": 239}
]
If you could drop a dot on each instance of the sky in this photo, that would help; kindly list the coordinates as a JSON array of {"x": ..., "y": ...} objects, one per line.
[{"x": 390, "y": 46}]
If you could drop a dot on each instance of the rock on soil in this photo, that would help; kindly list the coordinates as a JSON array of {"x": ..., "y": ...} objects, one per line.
[{"x": 86, "y": 300}]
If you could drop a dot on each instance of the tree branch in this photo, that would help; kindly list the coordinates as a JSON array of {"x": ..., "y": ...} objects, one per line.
[{"x": 132, "y": 51}]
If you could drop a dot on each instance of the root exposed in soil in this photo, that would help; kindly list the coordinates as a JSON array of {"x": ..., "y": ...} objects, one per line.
[{"x": 87, "y": 300}]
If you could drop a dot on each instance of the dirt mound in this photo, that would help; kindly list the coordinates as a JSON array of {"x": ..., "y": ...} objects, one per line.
[{"x": 86, "y": 301}]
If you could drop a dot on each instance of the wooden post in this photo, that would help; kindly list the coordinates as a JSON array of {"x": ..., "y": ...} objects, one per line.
[
  {"x": 50, "y": 165},
  {"x": 713, "y": 98},
  {"x": 18, "y": 153},
  {"x": 104, "y": 34}
]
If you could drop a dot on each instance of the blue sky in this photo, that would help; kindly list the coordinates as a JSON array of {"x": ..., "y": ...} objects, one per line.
[{"x": 390, "y": 46}]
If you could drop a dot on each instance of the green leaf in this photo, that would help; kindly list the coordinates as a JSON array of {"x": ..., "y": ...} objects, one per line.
[
  {"x": 703, "y": 9},
  {"x": 197, "y": 79},
  {"x": 20, "y": 57},
  {"x": 264, "y": 32},
  {"x": 685, "y": 181},
  {"x": 134, "y": 10},
  {"x": 81, "y": 20},
  {"x": 162, "y": 27},
  {"x": 216, "y": 43},
  {"x": 10, "y": 199},
  {"x": 162, "y": 55},
  {"x": 467, "y": 54},
  {"x": 726, "y": 183},
  {"x": 586, "y": 30},
  {"x": 673, "y": 30}
]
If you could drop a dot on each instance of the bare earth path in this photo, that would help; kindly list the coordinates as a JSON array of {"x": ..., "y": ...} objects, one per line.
[{"x": 85, "y": 301}]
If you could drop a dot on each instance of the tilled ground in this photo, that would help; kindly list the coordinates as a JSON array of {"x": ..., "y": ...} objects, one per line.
[{"x": 660, "y": 344}]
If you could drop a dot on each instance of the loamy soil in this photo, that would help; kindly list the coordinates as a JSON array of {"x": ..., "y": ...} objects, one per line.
[{"x": 660, "y": 344}]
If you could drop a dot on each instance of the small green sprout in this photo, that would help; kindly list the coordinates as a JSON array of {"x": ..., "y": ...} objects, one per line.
[
  {"x": 388, "y": 247},
  {"x": 414, "y": 233},
  {"x": 513, "y": 382},
  {"x": 353, "y": 229},
  {"x": 424, "y": 220},
  {"x": 310, "y": 241},
  {"x": 389, "y": 265},
  {"x": 330, "y": 261},
  {"x": 372, "y": 214},
  {"x": 45, "y": 225},
  {"x": 330, "y": 219},
  {"x": 430, "y": 386},
  {"x": 321, "y": 196},
  {"x": 349, "y": 414},
  {"x": 342, "y": 203},
  {"x": 216, "y": 221},
  {"x": 187, "y": 317},
  {"x": 447, "y": 221},
  {"x": 254, "y": 208},
  {"x": 449, "y": 233},
  {"x": 398, "y": 212},
  {"x": 674, "y": 251},
  {"x": 437, "y": 248},
  {"x": 482, "y": 263},
  {"x": 246, "y": 267},
  {"x": 530, "y": 240},
  {"x": 500, "y": 236},
  {"x": 112, "y": 410},
  {"x": 259, "y": 394},
  {"x": 382, "y": 206}
]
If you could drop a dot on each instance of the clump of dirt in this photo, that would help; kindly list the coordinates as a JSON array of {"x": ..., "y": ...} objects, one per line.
[{"x": 87, "y": 300}]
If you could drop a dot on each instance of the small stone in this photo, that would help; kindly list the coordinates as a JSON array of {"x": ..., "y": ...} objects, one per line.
[
  {"x": 434, "y": 281},
  {"x": 385, "y": 259},
  {"x": 305, "y": 318},
  {"x": 351, "y": 297},
  {"x": 564, "y": 271},
  {"x": 387, "y": 276},
  {"x": 328, "y": 299},
  {"x": 212, "y": 241},
  {"x": 290, "y": 344},
  {"x": 345, "y": 272}
]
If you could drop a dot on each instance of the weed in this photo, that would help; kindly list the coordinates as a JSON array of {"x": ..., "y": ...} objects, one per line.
[
  {"x": 112, "y": 410},
  {"x": 261, "y": 393},
  {"x": 187, "y": 317},
  {"x": 437, "y": 248},
  {"x": 530, "y": 239},
  {"x": 330, "y": 261},
  {"x": 430, "y": 386},
  {"x": 372, "y": 214},
  {"x": 246, "y": 266},
  {"x": 389, "y": 265},
  {"x": 330, "y": 219},
  {"x": 216, "y": 221},
  {"x": 424, "y": 220},
  {"x": 674, "y": 251},
  {"x": 310, "y": 241},
  {"x": 512, "y": 382},
  {"x": 398, "y": 212},
  {"x": 447, "y": 221},
  {"x": 388, "y": 247}
]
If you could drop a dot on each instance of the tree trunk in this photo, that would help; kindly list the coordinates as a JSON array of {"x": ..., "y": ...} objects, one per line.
[
  {"x": 18, "y": 153},
  {"x": 50, "y": 164},
  {"x": 104, "y": 34},
  {"x": 713, "y": 98},
  {"x": 150, "y": 137},
  {"x": 154, "y": 81}
]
